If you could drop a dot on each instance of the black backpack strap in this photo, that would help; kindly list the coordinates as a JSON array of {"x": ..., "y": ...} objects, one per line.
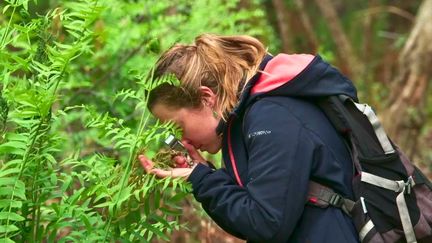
[
  {"x": 380, "y": 134},
  {"x": 323, "y": 197},
  {"x": 360, "y": 122}
]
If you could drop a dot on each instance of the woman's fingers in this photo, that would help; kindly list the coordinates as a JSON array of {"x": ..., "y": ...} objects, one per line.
[
  {"x": 146, "y": 163},
  {"x": 180, "y": 161},
  {"x": 161, "y": 173},
  {"x": 193, "y": 153},
  {"x": 176, "y": 172}
]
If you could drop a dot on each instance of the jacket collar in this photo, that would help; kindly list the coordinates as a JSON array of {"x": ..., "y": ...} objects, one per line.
[{"x": 244, "y": 96}]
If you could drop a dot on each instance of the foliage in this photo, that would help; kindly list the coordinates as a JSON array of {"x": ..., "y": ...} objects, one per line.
[{"x": 73, "y": 115}]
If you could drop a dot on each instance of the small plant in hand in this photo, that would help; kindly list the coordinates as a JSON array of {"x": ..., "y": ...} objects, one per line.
[{"x": 165, "y": 159}]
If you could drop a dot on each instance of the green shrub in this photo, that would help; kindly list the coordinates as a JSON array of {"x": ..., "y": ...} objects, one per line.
[{"x": 73, "y": 115}]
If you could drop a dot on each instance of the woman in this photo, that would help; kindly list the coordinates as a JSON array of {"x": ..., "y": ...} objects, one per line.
[{"x": 258, "y": 109}]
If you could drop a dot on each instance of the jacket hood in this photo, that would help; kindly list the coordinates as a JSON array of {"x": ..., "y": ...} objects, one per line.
[{"x": 297, "y": 75}]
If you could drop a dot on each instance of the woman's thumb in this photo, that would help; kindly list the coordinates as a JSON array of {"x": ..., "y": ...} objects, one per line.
[
  {"x": 146, "y": 163},
  {"x": 193, "y": 153}
]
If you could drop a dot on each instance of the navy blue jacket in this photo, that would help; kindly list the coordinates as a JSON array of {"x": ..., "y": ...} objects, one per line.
[{"x": 275, "y": 141}]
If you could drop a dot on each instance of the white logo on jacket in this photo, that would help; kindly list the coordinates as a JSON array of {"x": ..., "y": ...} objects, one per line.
[{"x": 259, "y": 133}]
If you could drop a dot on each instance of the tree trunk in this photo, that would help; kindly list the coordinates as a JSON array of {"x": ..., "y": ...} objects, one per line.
[
  {"x": 345, "y": 51},
  {"x": 283, "y": 25},
  {"x": 307, "y": 24},
  {"x": 406, "y": 116}
]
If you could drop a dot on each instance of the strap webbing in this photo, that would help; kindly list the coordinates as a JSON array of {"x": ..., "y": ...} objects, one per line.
[
  {"x": 325, "y": 197},
  {"x": 378, "y": 128},
  {"x": 365, "y": 230},
  {"x": 397, "y": 186}
]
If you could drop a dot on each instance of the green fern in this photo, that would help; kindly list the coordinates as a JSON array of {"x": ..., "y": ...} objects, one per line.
[
  {"x": 27, "y": 179},
  {"x": 72, "y": 119},
  {"x": 4, "y": 110}
]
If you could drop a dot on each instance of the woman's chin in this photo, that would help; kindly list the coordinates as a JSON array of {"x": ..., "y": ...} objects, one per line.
[
  {"x": 211, "y": 150},
  {"x": 202, "y": 149}
]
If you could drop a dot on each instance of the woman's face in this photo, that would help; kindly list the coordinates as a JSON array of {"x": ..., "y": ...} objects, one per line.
[{"x": 198, "y": 125}]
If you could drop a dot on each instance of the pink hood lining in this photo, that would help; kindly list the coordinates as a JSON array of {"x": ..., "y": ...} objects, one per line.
[{"x": 280, "y": 70}]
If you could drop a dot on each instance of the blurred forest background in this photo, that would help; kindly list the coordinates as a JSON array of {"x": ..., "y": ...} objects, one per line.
[{"x": 72, "y": 80}]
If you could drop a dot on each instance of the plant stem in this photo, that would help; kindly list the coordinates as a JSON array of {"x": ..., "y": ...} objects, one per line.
[
  {"x": 143, "y": 121},
  {"x": 3, "y": 39},
  {"x": 36, "y": 207},
  {"x": 24, "y": 162}
]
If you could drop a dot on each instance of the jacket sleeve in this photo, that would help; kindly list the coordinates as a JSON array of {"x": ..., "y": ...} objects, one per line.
[{"x": 281, "y": 153}]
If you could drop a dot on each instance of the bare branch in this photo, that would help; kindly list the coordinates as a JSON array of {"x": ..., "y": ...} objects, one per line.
[
  {"x": 345, "y": 49},
  {"x": 283, "y": 25}
]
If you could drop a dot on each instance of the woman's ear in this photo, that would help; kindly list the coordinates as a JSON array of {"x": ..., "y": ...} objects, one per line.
[{"x": 208, "y": 97}]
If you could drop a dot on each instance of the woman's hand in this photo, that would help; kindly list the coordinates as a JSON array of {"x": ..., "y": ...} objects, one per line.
[
  {"x": 182, "y": 168},
  {"x": 182, "y": 161},
  {"x": 175, "y": 172},
  {"x": 193, "y": 153}
]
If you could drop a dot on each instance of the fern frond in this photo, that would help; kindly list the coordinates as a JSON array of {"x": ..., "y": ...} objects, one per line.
[
  {"x": 126, "y": 94},
  {"x": 4, "y": 110},
  {"x": 149, "y": 83}
]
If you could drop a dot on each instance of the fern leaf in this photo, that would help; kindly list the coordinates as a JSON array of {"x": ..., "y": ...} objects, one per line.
[{"x": 8, "y": 228}]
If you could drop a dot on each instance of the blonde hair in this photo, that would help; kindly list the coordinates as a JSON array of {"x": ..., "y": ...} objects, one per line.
[{"x": 222, "y": 63}]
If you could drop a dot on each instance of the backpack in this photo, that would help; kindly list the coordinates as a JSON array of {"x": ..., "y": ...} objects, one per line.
[{"x": 392, "y": 198}]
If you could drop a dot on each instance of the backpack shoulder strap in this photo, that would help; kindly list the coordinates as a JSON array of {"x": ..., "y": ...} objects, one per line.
[{"x": 358, "y": 120}]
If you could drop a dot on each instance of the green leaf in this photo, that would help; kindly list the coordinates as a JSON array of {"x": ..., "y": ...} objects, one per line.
[
  {"x": 12, "y": 148},
  {"x": 125, "y": 194},
  {"x": 6, "y": 240},
  {"x": 105, "y": 204},
  {"x": 156, "y": 199},
  {"x": 11, "y": 216},
  {"x": 8, "y": 191},
  {"x": 50, "y": 158},
  {"x": 12, "y": 163},
  {"x": 53, "y": 179},
  {"x": 6, "y": 8},
  {"x": 87, "y": 223},
  {"x": 15, "y": 144},
  {"x": 7, "y": 181},
  {"x": 155, "y": 230},
  {"x": 73, "y": 33},
  {"x": 160, "y": 220},
  {"x": 166, "y": 183},
  {"x": 6, "y": 203},
  {"x": 123, "y": 143},
  {"x": 102, "y": 195},
  {"x": 6, "y": 172},
  {"x": 66, "y": 184},
  {"x": 173, "y": 212},
  {"x": 179, "y": 196},
  {"x": 147, "y": 205},
  {"x": 8, "y": 228}
]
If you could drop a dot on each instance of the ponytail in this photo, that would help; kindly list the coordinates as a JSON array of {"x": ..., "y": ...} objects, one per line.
[{"x": 222, "y": 63}]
